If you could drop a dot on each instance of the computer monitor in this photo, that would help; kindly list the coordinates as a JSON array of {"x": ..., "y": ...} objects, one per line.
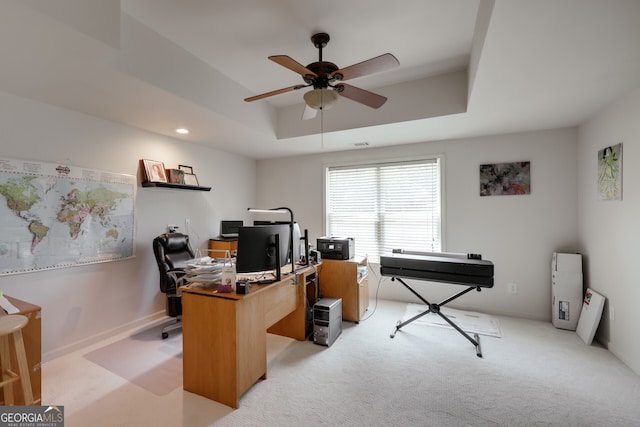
[
  {"x": 229, "y": 229},
  {"x": 297, "y": 235},
  {"x": 257, "y": 247}
]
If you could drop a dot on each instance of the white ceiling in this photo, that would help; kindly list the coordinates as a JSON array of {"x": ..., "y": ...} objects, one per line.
[{"x": 467, "y": 67}]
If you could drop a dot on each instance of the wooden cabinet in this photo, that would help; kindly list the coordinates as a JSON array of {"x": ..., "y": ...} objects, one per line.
[
  {"x": 219, "y": 244},
  {"x": 347, "y": 279},
  {"x": 31, "y": 334}
]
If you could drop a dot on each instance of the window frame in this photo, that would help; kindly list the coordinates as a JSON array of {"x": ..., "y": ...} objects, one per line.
[{"x": 381, "y": 162}]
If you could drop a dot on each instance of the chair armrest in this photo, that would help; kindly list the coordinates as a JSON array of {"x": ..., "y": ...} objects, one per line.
[{"x": 179, "y": 278}]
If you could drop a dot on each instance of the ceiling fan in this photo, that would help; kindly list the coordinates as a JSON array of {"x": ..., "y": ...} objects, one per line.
[{"x": 326, "y": 79}]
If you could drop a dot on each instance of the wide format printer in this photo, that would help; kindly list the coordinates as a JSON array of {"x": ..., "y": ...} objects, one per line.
[
  {"x": 461, "y": 269},
  {"x": 469, "y": 270}
]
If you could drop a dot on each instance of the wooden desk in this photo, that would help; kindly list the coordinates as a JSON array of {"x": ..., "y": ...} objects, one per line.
[
  {"x": 32, "y": 336},
  {"x": 224, "y": 335}
]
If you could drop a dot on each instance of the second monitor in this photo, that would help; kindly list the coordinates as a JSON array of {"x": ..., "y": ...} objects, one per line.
[
  {"x": 257, "y": 248},
  {"x": 297, "y": 236}
]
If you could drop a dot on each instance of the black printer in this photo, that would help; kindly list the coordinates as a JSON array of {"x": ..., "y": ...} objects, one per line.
[{"x": 336, "y": 247}]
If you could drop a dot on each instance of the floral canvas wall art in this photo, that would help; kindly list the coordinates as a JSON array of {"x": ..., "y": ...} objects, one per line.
[{"x": 500, "y": 179}]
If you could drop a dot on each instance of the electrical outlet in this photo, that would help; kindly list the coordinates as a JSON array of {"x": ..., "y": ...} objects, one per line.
[{"x": 512, "y": 288}]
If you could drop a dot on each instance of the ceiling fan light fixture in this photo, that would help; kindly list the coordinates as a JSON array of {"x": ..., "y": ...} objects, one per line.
[{"x": 321, "y": 99}]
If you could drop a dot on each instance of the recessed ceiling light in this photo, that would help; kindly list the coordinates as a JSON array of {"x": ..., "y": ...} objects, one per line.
[{"x": 182, "y": 130}]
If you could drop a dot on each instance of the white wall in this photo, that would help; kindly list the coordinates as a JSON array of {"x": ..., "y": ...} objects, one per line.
[
  {"x": 609, "y": 229},
  {"x": 83, "y": 304},
  {"x": 518, "y": 233}
]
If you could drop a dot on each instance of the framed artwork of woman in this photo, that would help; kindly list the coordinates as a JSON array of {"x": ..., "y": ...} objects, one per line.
[{"x": 154, "y": 171}]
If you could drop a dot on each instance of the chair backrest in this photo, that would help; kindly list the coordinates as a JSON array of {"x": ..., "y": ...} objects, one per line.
[{"x": 172, "y": 251}]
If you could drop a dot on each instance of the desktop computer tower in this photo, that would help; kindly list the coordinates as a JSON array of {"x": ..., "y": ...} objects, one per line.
[{"x": 327, "y": 320}]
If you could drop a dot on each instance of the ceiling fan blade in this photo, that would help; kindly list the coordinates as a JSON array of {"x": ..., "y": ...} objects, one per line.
[
  {"x": 309, "y": 113},
  {"x": 370, "y": 66},
  {"x": 362, "y": 96},
  {"x": 274, "y": 92},
  {"x": 293, "y": 65}
]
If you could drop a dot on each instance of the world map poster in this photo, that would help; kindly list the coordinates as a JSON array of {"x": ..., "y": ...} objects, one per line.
[{"x": 54, "y": 216}]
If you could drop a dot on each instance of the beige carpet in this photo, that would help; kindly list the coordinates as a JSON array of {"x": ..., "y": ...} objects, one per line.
[
  {"x": 469, "y": 321},
  {"x": 145, "y": 359},
  {"x": 534, "y": 376}
]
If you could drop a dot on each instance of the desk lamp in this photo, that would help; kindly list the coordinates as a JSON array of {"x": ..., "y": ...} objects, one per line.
[{"x": 282, "y": 210}]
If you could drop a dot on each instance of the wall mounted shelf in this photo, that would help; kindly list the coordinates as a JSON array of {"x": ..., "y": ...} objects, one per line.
[{"x": 178, "y": 186}]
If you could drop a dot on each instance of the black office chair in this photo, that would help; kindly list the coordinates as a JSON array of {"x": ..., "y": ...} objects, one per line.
[{"x": 172, "y": 251}]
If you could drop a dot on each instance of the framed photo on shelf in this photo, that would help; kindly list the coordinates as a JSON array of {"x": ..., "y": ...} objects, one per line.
[
  {"x": 189, "y": 177},
  {"x": 154, "y": 171},
  {"x": 175, "y": 176}
]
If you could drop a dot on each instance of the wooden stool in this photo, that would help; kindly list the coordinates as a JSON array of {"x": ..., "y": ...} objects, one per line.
[{"x": 12, "y": 325}]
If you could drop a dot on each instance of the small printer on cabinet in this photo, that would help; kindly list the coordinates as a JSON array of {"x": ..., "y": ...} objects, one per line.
[{"x": 336, "y": 247}]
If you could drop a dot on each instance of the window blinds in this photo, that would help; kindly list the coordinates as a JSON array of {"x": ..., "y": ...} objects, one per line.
[{"x": 386, "y": 206}]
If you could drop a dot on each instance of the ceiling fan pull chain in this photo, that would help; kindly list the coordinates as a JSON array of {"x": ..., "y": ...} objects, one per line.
[{"x": 322, "y": 130}]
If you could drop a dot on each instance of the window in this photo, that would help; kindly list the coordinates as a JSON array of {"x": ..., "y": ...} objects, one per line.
[{"x": 386, "y": 206}]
